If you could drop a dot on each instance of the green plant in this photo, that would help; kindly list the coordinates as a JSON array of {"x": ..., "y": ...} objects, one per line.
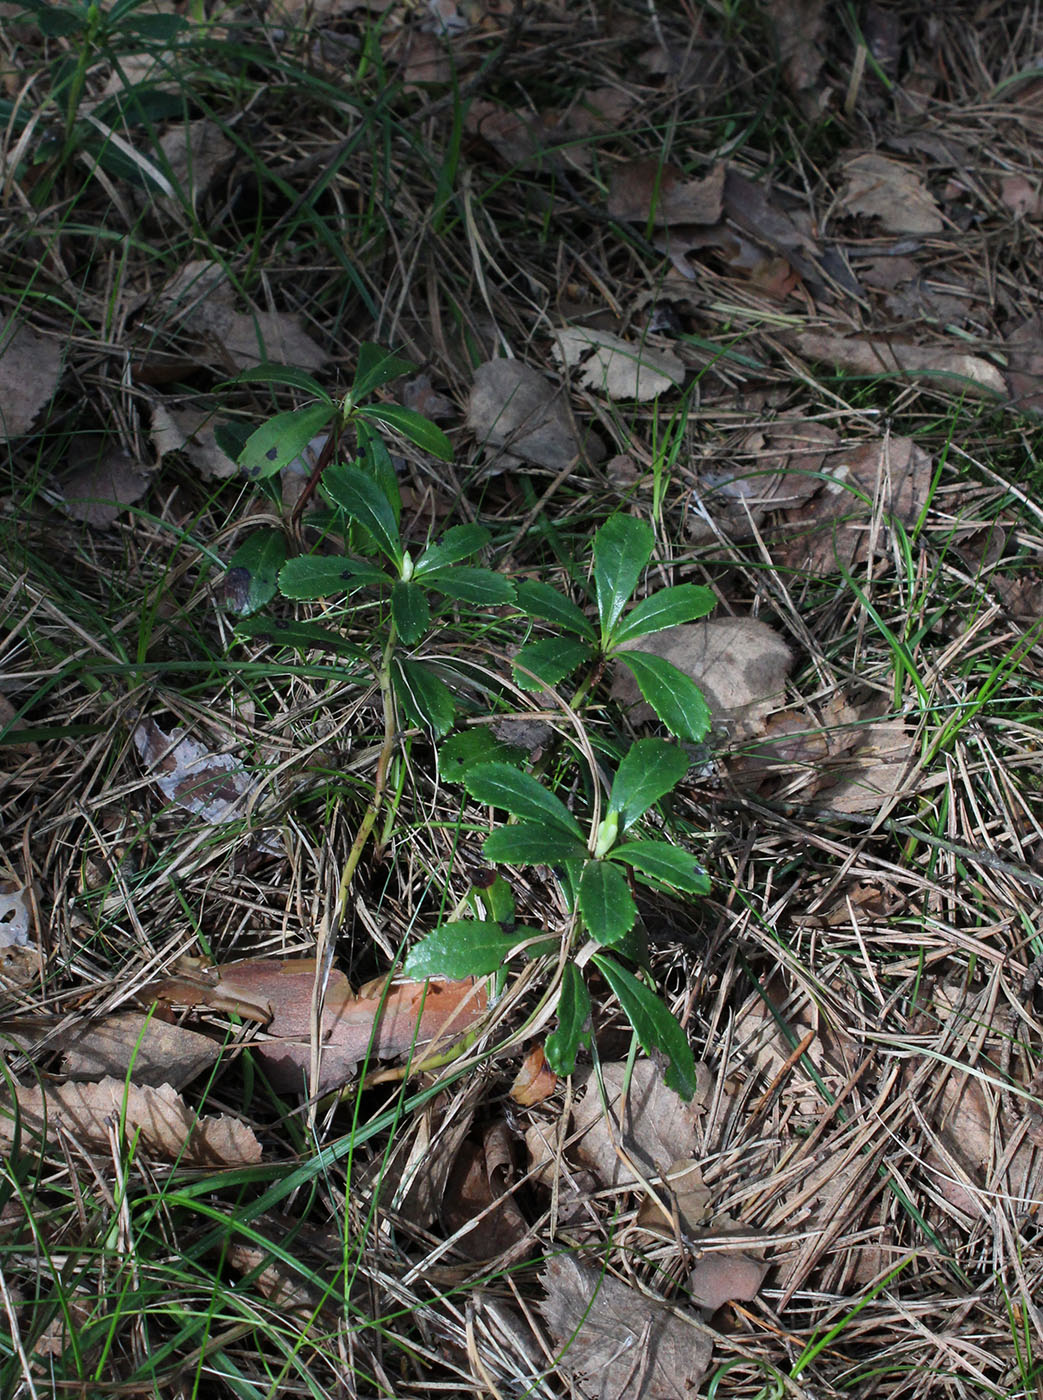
[{"x": 597, "y": 865}]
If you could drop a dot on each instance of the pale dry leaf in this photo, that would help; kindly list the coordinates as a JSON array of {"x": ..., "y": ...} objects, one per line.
[
  {"x": 157, "y": 1118},
  {"x": 944, "y": 366},
  {"x": 644, "y": 189},
  {"x": 98, "y": 491},
  {"x": 625, "y": 1345},
  {"x": 200, "y": 298},
  {"x": 154, "y": 1051},
  {"x": 616, "y": 367},
  {"x": 15, "y": 915},
  {"x": 720, "y": 1278},
  {"x": 191, "y": 431},
  {"x": 867, "y": 487},
  {"x": 513, "y": 406},
  {"x": 197, "y": 152},
  {"x": 519, "y": 141},
  {"x": 1021, "y": 196},
  {"x": 211, "y": 786},
  {"x": 30, "y": 366},
  {"x": 275, "y": 1280},
  {"x": 876, "y": 771},
  {"x": 686, "y": 1196},
  {"x": 894, "y": 193},
  {"x": 1025, "y": 364},
  {"x": 799, "y": 27},
  {"x": 739, "y": 663}
]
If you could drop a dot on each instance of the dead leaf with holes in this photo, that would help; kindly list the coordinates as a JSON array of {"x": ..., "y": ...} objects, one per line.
[
  {"x": 30, "y": 367},
  {"x": 377, "y": 1023},
  {"x": 16, "y": 916},
  {"x": 99, "y": 489},
  {"x": 739, "y": 663},
  {"x": 512, "y": 407},
  {"x": 617, "y": 368},
  {"x": 893, "y": 193},
  {"x": 623, "y": 1344},
  {"x": 157, "y": 1119},
  {"x": 201, "y": 301}
]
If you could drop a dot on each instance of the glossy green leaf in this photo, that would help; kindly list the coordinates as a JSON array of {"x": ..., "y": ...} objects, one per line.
[
  {"x": 472, "y": 746},
  {"x": 573, "y": 1030},
  {"x": 499, "y": 785},
  {"x": 252, "y": 577},
  {"x": 605, "y": 902},
  {"x": 675, "y": 697},
  {"x": 375, "y": 461},
  {"x": 410, "y": 611},
  {"x": 301, "y": 636},
  {"x": 426, "y": 701},
  {"x": 413, "y": 426},
  {"x": 622, "y": 548},
  {"x": 664, "y": 864},
  {"x": 482, "y": 587},
  {"x": 276, "y": 443},
  {"x": 550, "y": 660},
  {"x": 459, "y": 542},
  {"x": 667, "y": 608},
  {"x": 532, "y": 843},
  {"x": 376, "y": 366},
  {"x": 271, "y": 373},
  {"x": 324, "y": 576},
  {"x": 539, "y": 600},
  {"x": 492, "y": 897},
  {"x": 361, "y": 497},
  {"x": 463, "y": 948},
  {"x": 657, "y": 1030},
  {"x": 649, "y": 768}
]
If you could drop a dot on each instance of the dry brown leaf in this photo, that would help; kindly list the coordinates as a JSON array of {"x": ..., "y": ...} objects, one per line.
[
  {"x": 948, "y": 366},
  {"x": 30, "y": 365},
  {"x": 739, "y": 663},
  {"x": 616, "y": 367},
  {"x": 200, "y": 298},
  {"x": 477, "y": 1191},
  {"x": 684, "y": 1194},
  {"x": 876, "y": 771},
  {"x": 627, "y": 1346},
  {"x": 799, "y": 27},
  {"x": 723, "y": 1278},
  {"x": 168, "y": 1128},
  {"x": 197, "y": 152},
  {"x": 191, "y": 431},
  {"x": 154, "y": 1051},
  {"x": 1025, "y": 364},
  {"x": 98, "y": 491},
  {"x": 279, "y": 992},
  {"x": 212, "y": 786},
  {"x": 1021, "y": 196},
  {"x": 513, "y": 406},
  {"x": 888, "y": 478},
  {"x": 535, "y": 1081},
  {"x": 644, "y": 188},
  {"x": 520, "y": 141},
  {"x": 891, "y": 192}
]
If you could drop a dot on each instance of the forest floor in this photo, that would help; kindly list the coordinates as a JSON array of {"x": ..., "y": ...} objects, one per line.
[{"x": 764, "y": 279}]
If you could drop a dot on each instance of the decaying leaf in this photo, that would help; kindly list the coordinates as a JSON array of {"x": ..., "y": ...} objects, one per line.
[
  {"x": 1025, "y": 361},
  {"x": 799, "y": 27},
  {"x": 378, "y": 1023},
  {"x": 477, "y": 1194},
  {"x": 948, "y": 366},
  {"x": 723, "y": 1278},
  {"x": 191, "y": 431},
  {"x": 625, "y": 1345},
  {"x": 616, "y": 367},
  {"x": 513, "y": 406},
  {"x": 535, "y": 1081},
  {"x": 211, "y": 786},
  {"x": 158, "y": 1119},
  {"x": 200, "y": 298},
  {"x": 739, "y": 663},
  {"x": 197, "y": 151},
  {"x": 645, "y": 189},
  {"x": 98, "y": 490},
  {"x": 15, "y": 915},
  {"x": 684, "y": 1200},
  {"x": 154, "y": 1051},
  {"x": 30, "y": 365},
  {"x": 891, "y": 192},
  {"x": 877, "y": 769}
]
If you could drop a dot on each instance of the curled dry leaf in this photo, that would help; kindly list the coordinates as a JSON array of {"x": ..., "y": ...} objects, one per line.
[
  {"x": 279, "y": 992},
  {"x": 30, "y": 365},
  {"x": 891, "y": 192},
  {"x": 158, "y": 1118},
  {"x": 739, "y": 663},
  {"x": 535, "y": 1081},
  {"x": 625, "y": 1345},
  {"x": 201, "y": 300},
  {"x": 477, "y": 1194},
  {"x": 98, "y": 491},
  {"x": 616, "y": 367},
  {"x": 512, "y": 406}
]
